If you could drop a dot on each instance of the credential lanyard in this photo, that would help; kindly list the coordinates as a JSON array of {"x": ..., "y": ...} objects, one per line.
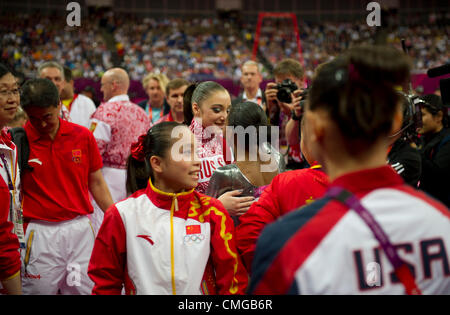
[
  {"x": 151, "y": 114},
  {"x": 16, "y": 218},
  {"x": 401, "y": 270}
]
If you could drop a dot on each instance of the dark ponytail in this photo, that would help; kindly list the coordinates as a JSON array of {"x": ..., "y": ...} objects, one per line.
[
  {"x": 197, "y": 93},
  {"x": 187, "y": 104},
  {"x": 137, "y": 175},
  {"x": 157, "y": 142}
]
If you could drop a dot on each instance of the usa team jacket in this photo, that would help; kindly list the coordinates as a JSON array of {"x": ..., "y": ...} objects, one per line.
[
  {"x": 328, "y": 249},
  {"x": 159, "y": 243}
]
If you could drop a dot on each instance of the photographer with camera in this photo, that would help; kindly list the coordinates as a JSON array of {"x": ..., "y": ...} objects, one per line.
[
  {"x": 283, "y": 100},
  {"x": 403, "y": 155},
  {"x": 435, "y": 149}
]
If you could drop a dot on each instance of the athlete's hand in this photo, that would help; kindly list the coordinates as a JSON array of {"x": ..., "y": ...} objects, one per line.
[{"x": 235, "y": 205}]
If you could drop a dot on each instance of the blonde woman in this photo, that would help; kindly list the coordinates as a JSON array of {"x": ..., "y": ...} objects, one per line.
[{"x": 155, "y": 106}]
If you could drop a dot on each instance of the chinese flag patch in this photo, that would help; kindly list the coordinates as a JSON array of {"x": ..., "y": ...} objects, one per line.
[
  {"x": 193, "y": 229},
  {"x": 76, "y": 156}
]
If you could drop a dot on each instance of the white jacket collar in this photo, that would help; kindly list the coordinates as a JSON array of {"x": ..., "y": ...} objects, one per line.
[{"x": 118, "y": 98}]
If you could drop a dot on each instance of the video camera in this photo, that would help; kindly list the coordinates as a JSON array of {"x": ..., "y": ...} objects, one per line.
[{"x": 412, "y": 117}]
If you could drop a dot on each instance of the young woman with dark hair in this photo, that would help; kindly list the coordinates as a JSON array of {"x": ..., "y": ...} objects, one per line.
[
  {"x": 371, "y": 233},
  {"x": 287, "y": 192},
  {"x": 435, "y": 148},
  {"x": 257, "y": 162},
  {"x": 167, "y": 238},
  {"x": 206, "y": 107}
]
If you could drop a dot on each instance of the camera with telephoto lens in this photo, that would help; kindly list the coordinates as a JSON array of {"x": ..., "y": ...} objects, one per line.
[
  {"x": 412, "y": 117},
  {"x": 285, "y": 89}
]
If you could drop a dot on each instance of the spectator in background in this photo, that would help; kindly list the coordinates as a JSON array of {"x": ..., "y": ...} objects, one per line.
[
  {"x": 155, "y": 87},
  {"x": 116, "y": 125},
  {"x": 293, "y": 127},
  {"x": 280, "y": 112},
  {"x": 251, "y": 78},
  {"x": 195, "y": 48},
  {"x": 435, "y": 149},
  {"x": 80, "y": 107},
  {"x": 55, "y": 72},
  {"x": 19, "y": 120},
  {"x": 175, "y": 91}
]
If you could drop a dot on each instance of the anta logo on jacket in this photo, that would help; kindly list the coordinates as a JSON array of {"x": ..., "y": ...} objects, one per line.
[{"x": 160, "y": 243}]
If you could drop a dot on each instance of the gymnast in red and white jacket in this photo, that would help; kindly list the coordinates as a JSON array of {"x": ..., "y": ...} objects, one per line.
[
  {"x": 155, "y": 242},
  {"x": 160, "y": 243}
]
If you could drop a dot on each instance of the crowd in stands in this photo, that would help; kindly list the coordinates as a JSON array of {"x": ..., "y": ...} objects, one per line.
[
  {"x": 427, "y": 44},
  {"x": 194, "y": 191},
  {"x": 199, "y": 48}
]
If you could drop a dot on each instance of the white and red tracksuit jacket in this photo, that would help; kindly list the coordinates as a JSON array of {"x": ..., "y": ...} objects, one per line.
[
  {"x": 159, "y": 243},
  {"x": 9, "y": 243},
  {"x": 81, "y": 108},
  {"x": 211, "y": 153}
]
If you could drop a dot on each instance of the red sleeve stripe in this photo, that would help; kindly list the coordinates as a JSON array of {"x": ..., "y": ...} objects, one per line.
[{"x": 281, "y": 273}]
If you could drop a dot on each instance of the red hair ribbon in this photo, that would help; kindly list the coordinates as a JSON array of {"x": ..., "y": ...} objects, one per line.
[{"x": 137, "y": 149}]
